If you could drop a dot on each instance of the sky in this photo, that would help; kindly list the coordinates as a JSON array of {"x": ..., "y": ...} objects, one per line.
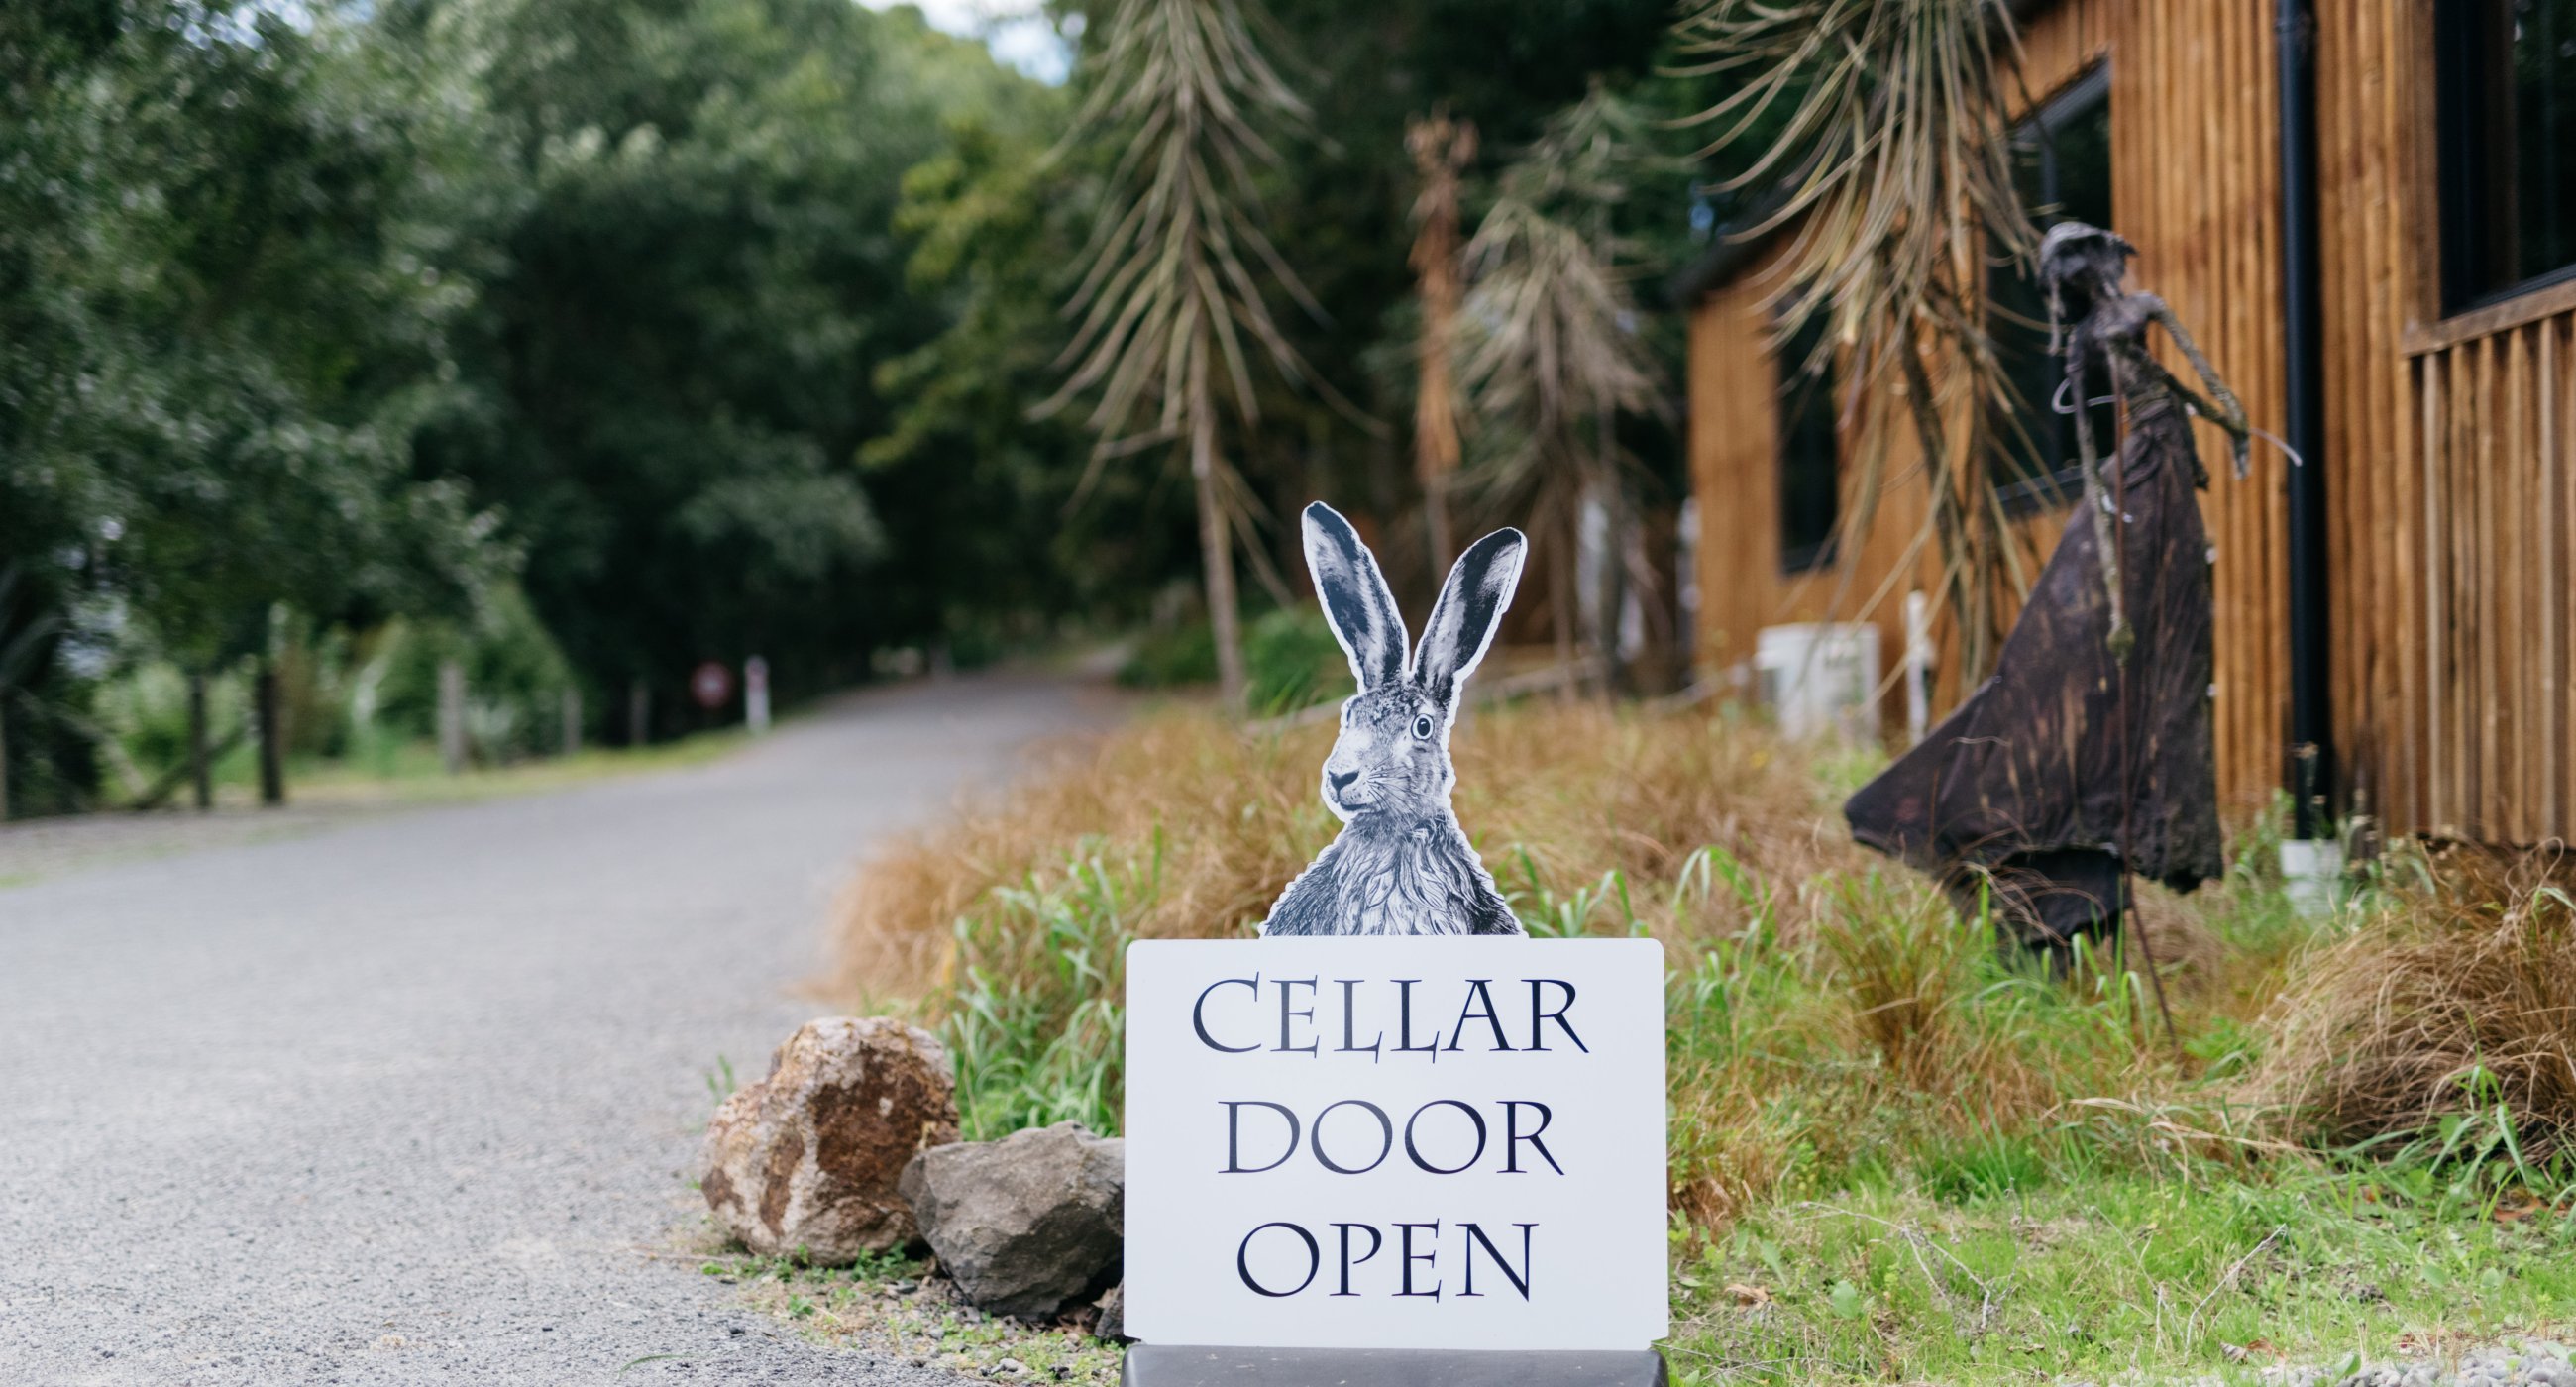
[{"x": 1016, "y": 30}]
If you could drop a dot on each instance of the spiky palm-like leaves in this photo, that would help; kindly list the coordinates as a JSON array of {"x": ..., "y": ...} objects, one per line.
[
  {"x": 1552, "y": 355},
  {"x": 1171, "y": 293},
  {"x": 1887, "y": 124}
]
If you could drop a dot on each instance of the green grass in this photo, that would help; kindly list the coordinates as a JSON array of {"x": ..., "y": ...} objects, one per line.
[
  {"x": 1918, "y": 1160},
  {"x": 2099, "y": 1274},
  {"x": 411, "y": 771},
  {"x": 1038, "y": 1026},
  {"x": 887, "y": 1306}
]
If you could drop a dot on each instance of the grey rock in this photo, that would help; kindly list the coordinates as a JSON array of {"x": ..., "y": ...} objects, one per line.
[
  {"x": 1112, "y": 1322},
  {"x": 809, "y": 1159},
  {"x": 1026, "y": 1226}
]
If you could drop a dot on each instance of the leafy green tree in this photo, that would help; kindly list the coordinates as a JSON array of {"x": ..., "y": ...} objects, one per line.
[
  {"x": 698, "y": 279},
  {"x": 995, "y": 543},
  {"x": 220, "y": 337}
]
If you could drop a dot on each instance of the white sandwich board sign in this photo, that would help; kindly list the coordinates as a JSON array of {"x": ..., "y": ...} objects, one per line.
[{"x": 1438, "y": 1142}]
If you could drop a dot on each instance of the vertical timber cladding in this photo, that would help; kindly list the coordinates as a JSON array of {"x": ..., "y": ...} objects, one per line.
[
  {"x": 2195, "y": 184},
  {"x": 1735, "y": 393},
  {"x": 2450, "y": 442},
  {"x": 2454, "y": 481}
]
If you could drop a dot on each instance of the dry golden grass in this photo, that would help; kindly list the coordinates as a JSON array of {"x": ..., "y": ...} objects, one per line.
[
  {"x": 2457, "y": 997},
  {"x": 1574, "y": 790}
]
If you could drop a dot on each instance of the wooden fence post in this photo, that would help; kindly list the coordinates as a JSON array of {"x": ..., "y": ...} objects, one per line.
[{"x": 272, "y": 738}]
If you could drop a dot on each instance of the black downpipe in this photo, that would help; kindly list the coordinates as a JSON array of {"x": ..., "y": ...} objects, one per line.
[{"x": 2311, "y": 770}]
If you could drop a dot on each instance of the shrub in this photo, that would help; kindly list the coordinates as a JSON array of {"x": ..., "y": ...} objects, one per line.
[
  {"x": 2453, "y": 1001},
  {"x": 1290, "y": 660}
]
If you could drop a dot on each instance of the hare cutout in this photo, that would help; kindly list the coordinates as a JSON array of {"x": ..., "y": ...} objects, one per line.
[{"x": 1401, "y": 864}]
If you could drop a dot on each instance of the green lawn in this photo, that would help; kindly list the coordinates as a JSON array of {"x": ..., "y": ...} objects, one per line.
[{"x": 2113, "y": 1273}]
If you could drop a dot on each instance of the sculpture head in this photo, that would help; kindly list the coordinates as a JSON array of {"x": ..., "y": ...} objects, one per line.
[
  {"x": 2079, "y": 266},
  {"x": 1392, "y": 756}
]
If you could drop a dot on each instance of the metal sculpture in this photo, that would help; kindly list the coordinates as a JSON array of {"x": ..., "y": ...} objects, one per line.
[{"x": 2087, "y": 758}]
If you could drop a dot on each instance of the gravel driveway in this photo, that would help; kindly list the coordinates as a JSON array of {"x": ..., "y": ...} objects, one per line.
[{"x": 411, "y": 1099}]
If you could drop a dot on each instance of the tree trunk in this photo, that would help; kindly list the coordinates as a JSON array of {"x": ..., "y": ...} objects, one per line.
[
  {"x": 1562, "y": 577},
  {"x": 4, "y": 756},
  {"x": 272, "y": 739},
  {"x": 1435, "y": 513},
  {"x": 639, "y": 713},
  {"x": 1966, "y": 582},
  {"x": 1440, "y": 149},
  {"x": 571, "y": 721},
  {"x": 201, "y": 771},
  {"x": 1216, "y": 551}
]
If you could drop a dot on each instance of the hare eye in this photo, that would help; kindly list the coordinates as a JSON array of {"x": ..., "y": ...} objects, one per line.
[{"x": 1422, "y": 727}]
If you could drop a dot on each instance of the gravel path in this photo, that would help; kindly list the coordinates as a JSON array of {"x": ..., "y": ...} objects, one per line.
[
  {"x": 410, "y": 1100},
  {"x": 2521, "y": 1363}
]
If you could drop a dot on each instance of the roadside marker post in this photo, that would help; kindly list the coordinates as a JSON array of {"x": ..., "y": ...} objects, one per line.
[{"x": 755, "y": 695}]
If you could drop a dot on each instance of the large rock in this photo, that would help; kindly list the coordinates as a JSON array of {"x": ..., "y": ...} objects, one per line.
[
  {"x": 810, "y": 1159},
  {"x": 1027, "y": 1225}
]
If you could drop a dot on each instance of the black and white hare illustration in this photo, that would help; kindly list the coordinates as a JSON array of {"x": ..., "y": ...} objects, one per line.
[{"x": 1401, "y": 864}]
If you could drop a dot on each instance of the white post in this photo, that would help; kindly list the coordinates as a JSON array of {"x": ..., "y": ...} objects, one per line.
[
  {"x": 451, "y": 716},
  {"x": 1919, "y": 655},
  {"x": 2312, "y": 876},
  {"x": 755, "y": 694},
  {"x": 1686, "y": 567}
]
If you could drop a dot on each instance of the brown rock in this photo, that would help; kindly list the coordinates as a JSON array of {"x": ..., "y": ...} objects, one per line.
[{"x": 807, "y": 1159}]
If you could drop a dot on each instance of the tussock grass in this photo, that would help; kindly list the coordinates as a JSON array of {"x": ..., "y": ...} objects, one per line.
[{"x": 2450, "y": 1017}]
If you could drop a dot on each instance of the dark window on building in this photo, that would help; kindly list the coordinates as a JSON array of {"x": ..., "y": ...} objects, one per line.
[
  {"x": 2507, "y": 89},
  {"x": 2062, "y": 162},
  {"x": 1810, "y": 454}
]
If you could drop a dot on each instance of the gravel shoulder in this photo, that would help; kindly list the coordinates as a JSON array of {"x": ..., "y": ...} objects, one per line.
[{"x": 410, "y": 1097}]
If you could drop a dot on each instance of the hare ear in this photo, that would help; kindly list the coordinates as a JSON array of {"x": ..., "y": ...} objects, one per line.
[
  {"x": 1470, "y": 610},
  {"x": 1355, "y": 596}
]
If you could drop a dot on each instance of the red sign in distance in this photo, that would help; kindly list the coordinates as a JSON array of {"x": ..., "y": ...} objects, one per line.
[{"x": 711, "y": 684}]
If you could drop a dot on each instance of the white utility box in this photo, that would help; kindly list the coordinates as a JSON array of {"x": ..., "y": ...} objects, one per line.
[{"x": 1820, "y": 677}]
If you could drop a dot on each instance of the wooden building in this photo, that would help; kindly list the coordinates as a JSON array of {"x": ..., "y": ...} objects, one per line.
[{"x": 2443, "y": 278}]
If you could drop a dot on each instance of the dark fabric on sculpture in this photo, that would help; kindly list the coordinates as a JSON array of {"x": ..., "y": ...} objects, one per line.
[{"x": 2024, "y": 793}]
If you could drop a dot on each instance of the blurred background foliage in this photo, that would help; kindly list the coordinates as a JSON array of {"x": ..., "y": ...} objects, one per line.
[{"x": 586, "y": 340}]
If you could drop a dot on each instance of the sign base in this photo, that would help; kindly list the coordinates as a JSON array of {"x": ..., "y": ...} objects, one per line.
[{"x": 1181, "y": 1365}]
